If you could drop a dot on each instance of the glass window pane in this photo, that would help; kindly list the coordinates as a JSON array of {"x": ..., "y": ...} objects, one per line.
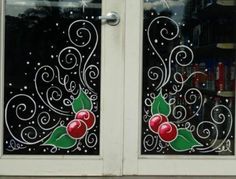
[
  {"x": 52, "y": 77},
  {"x": 188, "y": 102}
]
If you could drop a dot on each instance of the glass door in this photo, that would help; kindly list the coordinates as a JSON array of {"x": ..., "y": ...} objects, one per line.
[
  {"x": 58, "y": 77},
  {"x": 183, "y": 89}
]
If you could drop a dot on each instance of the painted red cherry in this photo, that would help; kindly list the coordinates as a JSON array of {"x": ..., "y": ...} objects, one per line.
[
  {"x": 76, "y": 129},
  {"x": 155, "y": 122},
  {"x": 168, "y": 131},
  {"x": 87, "y": 116}
]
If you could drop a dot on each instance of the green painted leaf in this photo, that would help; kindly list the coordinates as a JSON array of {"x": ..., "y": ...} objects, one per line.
[
  {"x": 185, "y": 141},
  {"x": 160, "y": 106},
  {"x": 81, "y": 102},
  {"x": 59, "y": 138}
]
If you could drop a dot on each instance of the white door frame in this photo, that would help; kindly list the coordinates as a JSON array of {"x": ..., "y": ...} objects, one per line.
[
  {"x": 111, "y": 137},
  {"x": 134, "y": 162}
]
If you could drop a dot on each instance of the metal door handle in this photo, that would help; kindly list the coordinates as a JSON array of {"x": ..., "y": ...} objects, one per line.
[{"x": 112, "y": 18}]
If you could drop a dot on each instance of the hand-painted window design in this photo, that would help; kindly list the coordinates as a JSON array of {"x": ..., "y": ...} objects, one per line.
[
  {"x": 52, "y": 77},
  {"x": 188, "y": 102}
]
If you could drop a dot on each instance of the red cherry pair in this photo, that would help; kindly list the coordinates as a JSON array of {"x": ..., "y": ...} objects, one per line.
[
  {"x": 159, "y": 124},
  {"x": 84, "y": 120}
]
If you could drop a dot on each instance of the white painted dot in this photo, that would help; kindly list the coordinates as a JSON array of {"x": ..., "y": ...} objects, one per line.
[{"x": 27, "y": 62}]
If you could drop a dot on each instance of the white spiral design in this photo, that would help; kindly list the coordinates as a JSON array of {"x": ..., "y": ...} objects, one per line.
[
  {"x": 71, "y": 86},
  {"x": 44, "y": 119},
  {"x": 92, "y": 71},
  {"x": 192, "y": 97},
  {"x": 91, "y": 140},
  {"x": 69, "y": 58},
  {"x": 46, "y": 74},
  {"x": 179, "y": 112},
  {"x": 150, "y": 142},
  {"x": 80, "y": 33},
  {"x": 165, "y": 34},
  {"x": 24, "y": 111},
  {"x": 183, "y": 55},
  {"x": 218, "y": 118}
]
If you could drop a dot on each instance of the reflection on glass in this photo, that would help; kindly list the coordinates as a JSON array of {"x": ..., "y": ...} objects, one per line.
[
  {"x": 52, "y": 77},
  {"x": 188, "y": 104}
]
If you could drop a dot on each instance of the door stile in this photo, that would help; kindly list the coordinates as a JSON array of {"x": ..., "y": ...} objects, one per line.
[
  {"x": 133, "y": 84},
  {"x": 112, "y": 89}
]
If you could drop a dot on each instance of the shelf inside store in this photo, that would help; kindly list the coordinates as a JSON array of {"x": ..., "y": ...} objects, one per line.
[
  {"x": 226, "y": 2},
  {"x": 208, "y": 92},
  {"x": 218, "y": 9},
  {"x": 226, "y": 94},
  {"x": 217, "y": 49}
]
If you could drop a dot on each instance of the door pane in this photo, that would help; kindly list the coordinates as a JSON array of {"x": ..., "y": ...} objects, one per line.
[
  {"x": 52, "y": 77},
  {"x": 188, "y": 102}
]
